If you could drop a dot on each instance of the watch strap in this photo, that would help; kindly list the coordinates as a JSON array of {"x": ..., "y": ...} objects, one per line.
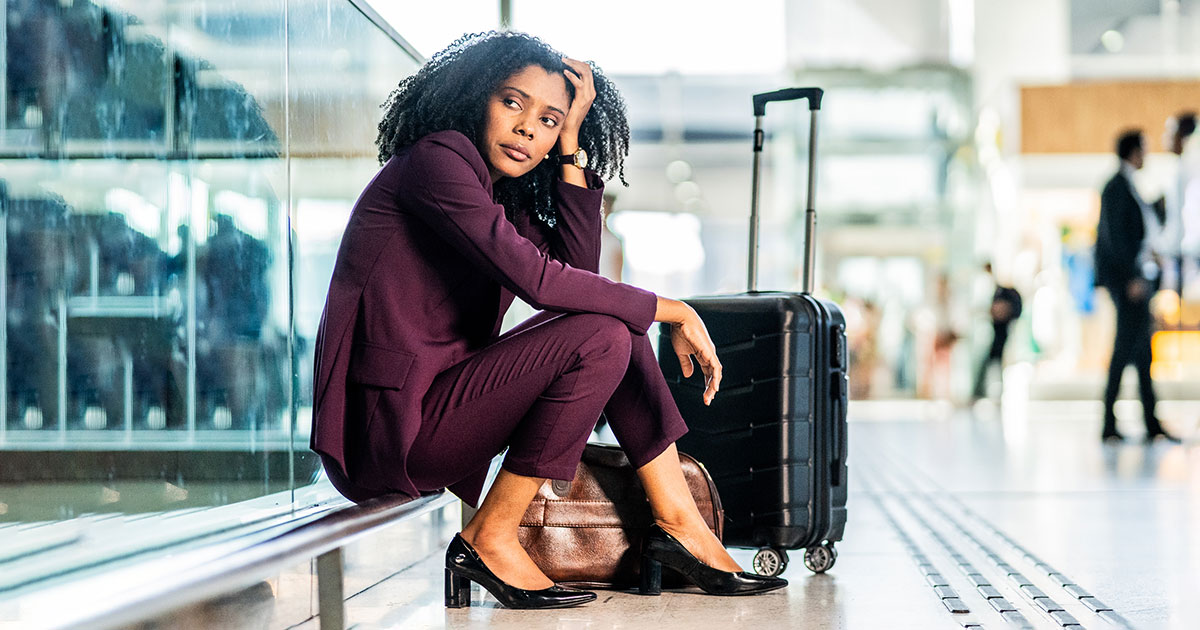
[{"x": 578, "y": 159}]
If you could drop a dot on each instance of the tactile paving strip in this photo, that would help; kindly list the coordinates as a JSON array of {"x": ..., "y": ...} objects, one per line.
[
  {"x": 1023, "y": 584},
  {"x": 933, "y": 577},
  {"x": 1002, "y": 605},
  {"x": 1031, "y": 592},
  {"x": 1068, "y": 585}
]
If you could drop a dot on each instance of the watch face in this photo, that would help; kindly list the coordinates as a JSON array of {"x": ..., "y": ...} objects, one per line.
[{"x": 579, "y": 158}]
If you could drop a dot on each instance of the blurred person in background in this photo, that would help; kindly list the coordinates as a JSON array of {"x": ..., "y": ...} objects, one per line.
[
  {"x": 864, "y": 345},
  {"x": 1127, "y": 268},
  {"x": 941, "y": 334},
  {"x": 1177, "y": 130},
  {"x": 1004, "y": 310},
  {"x": 1188, "y": 187},
  {"x": 1181, "y": 205}
]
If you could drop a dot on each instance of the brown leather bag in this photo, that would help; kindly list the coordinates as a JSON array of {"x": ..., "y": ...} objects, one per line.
[{"x": 588, "y": 532}]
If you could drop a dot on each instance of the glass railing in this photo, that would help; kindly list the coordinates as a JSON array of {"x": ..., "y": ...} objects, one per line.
[{"x": 174, "y": 180}]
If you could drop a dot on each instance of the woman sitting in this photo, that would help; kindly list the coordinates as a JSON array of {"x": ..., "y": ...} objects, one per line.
[{"x": 490, "y": 188}]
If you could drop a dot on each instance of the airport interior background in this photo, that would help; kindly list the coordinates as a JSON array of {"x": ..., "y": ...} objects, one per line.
[{"x": 175, "y": 176}]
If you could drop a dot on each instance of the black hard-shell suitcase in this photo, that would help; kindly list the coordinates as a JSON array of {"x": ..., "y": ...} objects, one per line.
[{"x": 774, "y": 438}]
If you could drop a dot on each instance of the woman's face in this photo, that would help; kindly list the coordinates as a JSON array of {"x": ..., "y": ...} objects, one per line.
[{"x": 522, "y": 118}]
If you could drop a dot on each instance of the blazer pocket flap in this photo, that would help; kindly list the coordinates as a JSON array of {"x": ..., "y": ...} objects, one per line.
[{"x": 376, "y": 366}]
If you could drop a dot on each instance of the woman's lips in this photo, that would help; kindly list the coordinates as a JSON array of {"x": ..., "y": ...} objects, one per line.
[{"x": 517, "y": 153}]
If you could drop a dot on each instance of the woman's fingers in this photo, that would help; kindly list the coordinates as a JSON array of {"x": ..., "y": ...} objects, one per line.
[
  {"x": 581, "y": 68},
  {"x": 691, "y": 339},
  {"x": 573, "y": 74},
  {"x": 580, "y": 76},
  {"x": 712, "y": 374},
  {"x": 583, "y": 91},
  {"x": 685, "y": 364},
  {"x": 577, "y": 70},
  {"x": 706, "y": 356},
  {"x": 582, "y": 79}
]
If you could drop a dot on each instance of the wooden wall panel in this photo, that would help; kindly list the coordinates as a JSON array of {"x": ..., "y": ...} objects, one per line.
[{"x": 1086, "y": 117}]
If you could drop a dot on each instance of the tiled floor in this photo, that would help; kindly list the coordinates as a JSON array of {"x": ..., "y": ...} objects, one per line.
[{"x": 1020, "y": 519}]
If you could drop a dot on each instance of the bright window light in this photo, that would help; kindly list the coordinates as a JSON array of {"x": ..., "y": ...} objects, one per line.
[
  {"x": 639, "y": 37},
  {"x": 249, "y": 213},
  {"x": 140, "y": 214},
  {"x": 431, "y": 26},
  {"x": 660, "y": 242},
  {"x": 623, "y": 36}
]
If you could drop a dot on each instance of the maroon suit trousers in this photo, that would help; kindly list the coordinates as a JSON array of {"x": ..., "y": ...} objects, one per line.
[{"x": 539, "y": 390}]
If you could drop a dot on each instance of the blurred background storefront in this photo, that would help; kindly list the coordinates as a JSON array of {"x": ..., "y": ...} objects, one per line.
[{"x": 175, "y": 176}]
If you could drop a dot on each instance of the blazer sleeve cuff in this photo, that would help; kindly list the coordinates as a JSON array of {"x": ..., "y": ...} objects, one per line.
[
  {"x": 579, "y": 201},
  {"x": 643, "y": 308},
  {"x": 576, "y": 239}
]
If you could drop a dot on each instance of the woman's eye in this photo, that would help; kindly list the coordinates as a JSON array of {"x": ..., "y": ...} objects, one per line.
[
  {"x": 511, "y": 103},
  {"x": 549, "y": 122}
]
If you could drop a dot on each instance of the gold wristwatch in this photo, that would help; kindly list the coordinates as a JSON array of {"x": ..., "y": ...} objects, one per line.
[{"x": 578, "y": 159}]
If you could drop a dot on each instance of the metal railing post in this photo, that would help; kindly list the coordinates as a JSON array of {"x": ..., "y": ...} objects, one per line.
[{"x": 331, "y": 607}]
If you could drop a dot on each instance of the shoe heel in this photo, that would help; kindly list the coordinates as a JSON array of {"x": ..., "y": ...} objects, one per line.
[
  {"x": 651, "y": 577},
  {"x": 458, "y": 591}
]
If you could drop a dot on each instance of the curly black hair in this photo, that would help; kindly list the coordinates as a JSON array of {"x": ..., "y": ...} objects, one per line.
[{"x": 452, "y": 89}]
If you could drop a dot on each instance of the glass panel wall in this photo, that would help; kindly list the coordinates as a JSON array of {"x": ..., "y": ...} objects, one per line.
[
  {"x": 340, "y": 74},
  {"x": 174, "y": 178}
]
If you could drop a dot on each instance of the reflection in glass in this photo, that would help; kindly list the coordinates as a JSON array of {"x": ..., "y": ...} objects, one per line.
[
  {"x": 145, "y": 307},
  {"x": 159, "y": 298}
]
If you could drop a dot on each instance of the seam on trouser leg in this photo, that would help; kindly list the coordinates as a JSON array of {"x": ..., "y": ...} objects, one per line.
[{"x": 553, "y": 424}]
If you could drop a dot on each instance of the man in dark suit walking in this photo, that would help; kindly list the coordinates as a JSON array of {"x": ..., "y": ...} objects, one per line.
[{"x": 1126, "y": 267}]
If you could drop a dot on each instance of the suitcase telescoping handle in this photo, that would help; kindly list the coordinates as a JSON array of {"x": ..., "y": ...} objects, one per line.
[{"x": 810, "y": 214}]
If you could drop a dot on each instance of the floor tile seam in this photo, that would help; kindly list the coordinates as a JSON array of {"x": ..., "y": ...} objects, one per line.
[
  {"x": 949, "y": 598},
  {"x": 433, "y": 552},
  {"x": 300, "y": 624},
  {"x": 1085, "y": 598},
  {"x": 388, "y": 577}
]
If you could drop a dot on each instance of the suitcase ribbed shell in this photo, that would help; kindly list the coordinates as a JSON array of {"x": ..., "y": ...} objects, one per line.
[{"x": 774, "y": 437}]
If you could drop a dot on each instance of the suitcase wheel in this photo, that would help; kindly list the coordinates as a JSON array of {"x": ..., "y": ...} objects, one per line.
[
  {"x": 770, "y": 561},
  {"x": 820, "y": 558}
]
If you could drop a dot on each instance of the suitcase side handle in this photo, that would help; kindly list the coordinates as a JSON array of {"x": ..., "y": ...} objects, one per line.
[{"x": 813, "y": 95}]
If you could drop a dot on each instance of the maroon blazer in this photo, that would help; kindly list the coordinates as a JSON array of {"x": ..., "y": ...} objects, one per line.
[{"x": 426, "y": 269}]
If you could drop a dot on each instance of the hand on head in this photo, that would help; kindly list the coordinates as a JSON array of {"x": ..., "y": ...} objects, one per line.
[{"x": 580, "y": 75}]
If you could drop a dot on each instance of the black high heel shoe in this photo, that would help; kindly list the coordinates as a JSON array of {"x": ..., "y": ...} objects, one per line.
[
  {"x": 463, "y": 566},
  {"x": 661, "y": 548}
]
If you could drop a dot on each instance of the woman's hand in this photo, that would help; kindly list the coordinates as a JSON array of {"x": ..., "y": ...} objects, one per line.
[
  {"x": 580, "y": 76},
  {"x": 689, "y": 337}
]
